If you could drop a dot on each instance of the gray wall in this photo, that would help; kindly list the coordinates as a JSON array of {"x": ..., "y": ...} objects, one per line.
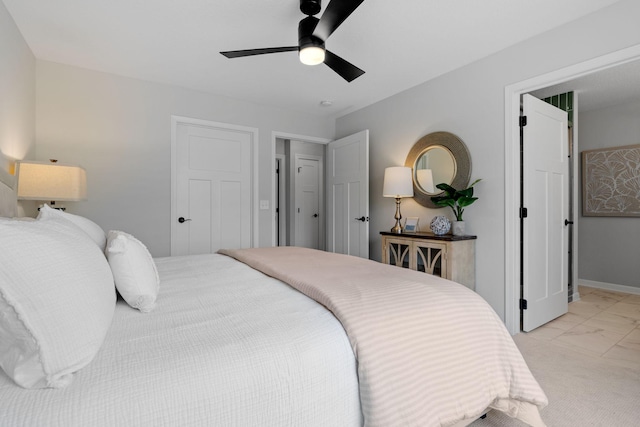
[
  {"x": 17, "y": 91},
  {"x": 609, "y": 247},
  {"x": 469, "y": 102},
  {"x": 119, "y": 129}
]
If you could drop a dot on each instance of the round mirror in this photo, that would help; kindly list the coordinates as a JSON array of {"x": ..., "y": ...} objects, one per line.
[
  {"x": 440, "y": 157},
  {"x": 434, "y": 165}
]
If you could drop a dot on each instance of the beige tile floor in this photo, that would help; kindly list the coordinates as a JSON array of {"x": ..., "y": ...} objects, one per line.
[{"x": 602, "y": 323}]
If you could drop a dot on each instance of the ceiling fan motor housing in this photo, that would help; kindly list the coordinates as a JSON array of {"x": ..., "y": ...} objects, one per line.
[
  {"x": 310, "y": 7},
  {"x": 305, "y": 33}
]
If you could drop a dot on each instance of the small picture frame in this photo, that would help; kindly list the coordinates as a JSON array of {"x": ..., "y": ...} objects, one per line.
[{"x": 411, "y": 224}]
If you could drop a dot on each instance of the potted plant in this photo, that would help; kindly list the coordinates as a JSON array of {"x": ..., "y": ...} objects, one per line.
[{"x": 457, "y": 200}]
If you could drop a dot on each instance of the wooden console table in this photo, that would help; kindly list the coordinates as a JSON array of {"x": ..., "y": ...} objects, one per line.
[{"x": 448, "y": 256}]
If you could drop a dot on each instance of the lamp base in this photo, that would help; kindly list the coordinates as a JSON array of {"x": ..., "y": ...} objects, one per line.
[
  {"x": 52, "y": 205},
  {"x": 398, "y": 216},
  {"x": 397, "y": 229}
]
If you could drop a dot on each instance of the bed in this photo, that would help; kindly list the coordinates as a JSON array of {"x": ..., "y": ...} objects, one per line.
[{"x": 311, "y": 340}]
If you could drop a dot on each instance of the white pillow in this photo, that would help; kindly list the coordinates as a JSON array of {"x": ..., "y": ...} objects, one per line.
[
  {"x": 57, "y": 301},
  {"x": 91, "y": 228},
  {"x": 134, "y": 270}
]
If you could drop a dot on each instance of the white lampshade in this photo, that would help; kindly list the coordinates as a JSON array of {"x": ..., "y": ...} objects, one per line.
[
  {"x": 51, "y": 181},
  {"x": 425, "y": 179},
  {"x": 397, "y": 182},
  {"x": 312, "y": 55}
]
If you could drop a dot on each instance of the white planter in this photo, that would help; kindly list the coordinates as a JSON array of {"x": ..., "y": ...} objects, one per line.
[{"x": 457, "y": 228}]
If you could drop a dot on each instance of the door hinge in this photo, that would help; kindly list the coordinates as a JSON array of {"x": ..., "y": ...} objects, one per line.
[
  {"x": 523, "y": 121},
  {"x": 523, "y": 212},
  {"x": 523, "y": 304}
]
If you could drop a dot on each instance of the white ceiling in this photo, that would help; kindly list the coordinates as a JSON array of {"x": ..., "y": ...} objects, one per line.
[{"x": 399, "y": 44}]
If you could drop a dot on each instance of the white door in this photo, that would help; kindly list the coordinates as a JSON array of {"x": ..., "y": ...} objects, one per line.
[
  {"x": 348, "y": 195},
  {"x": 545, "y": 197},
  {"x": 308, "y": 202},
  {"x": 211, "y": 186}
]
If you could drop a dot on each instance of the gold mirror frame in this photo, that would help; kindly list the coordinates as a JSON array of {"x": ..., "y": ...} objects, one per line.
[{"x": 461, "y": 156}]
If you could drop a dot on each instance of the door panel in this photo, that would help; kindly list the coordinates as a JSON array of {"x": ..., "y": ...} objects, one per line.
[
  {"x": 348, "y": 195},
  {"x": 232, "y": 232},
  {"x": 337, "y": 192},
  {"x": 199, "y": 228},
  {"x": 545, "y": 195}
]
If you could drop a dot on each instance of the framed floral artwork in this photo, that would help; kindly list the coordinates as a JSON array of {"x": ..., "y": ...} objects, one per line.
[{"x": 611, "y": 181}]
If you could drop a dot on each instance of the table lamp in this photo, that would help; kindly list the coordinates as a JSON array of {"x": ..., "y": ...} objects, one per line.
[
  {"x": 51, "y": 181},
  {"x": 397, "y": 183}
]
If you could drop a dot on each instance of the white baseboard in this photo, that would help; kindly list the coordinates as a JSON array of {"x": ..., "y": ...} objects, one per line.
[
  {"x": 576, "y": 295},
  {"x": 609, "y": 286}
]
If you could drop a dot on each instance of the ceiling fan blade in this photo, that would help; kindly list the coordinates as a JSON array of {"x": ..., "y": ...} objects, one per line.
[
  {"x": 334, "y": 15},
  {"x": 250, "y": 52},
  {"x": 347, "y": 70}
]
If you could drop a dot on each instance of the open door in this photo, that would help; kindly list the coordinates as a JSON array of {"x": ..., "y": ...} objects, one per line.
[
  {"x": 544, "y": 213},
  {"x": 348, "y": 195}
]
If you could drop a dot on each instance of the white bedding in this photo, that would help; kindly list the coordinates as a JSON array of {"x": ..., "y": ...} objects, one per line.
[
  {"x": 225, "y": 345},
  {"x": 430, "y": 352}
]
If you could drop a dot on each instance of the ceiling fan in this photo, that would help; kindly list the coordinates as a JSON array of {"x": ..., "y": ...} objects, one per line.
[{"x": 312, "y": 34}]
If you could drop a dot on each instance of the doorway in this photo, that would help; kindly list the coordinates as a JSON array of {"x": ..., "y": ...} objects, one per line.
[
  {"x": 512, "y": 161},
  {"x": 346, "y": 171},
  {"x": 280, "y": 199},
  {"x": 285, "y": 147}
]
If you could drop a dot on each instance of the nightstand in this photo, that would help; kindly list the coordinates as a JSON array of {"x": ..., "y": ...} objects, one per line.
[{"x": 448, "y": 256}]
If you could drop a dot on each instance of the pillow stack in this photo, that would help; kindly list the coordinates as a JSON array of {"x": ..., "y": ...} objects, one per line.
[
  {"x": 57, "y": 295},
  {"x": 57, "y": 300},
  {"x": 92, "y": 229}
]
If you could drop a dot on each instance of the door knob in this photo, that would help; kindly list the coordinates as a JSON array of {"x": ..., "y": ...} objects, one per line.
[
  {"x": 183, "y": 219},
  {"x": 362, "y": 218},
  {"x": 315, "y": 215},
  {"x": 567, "y": 222}
]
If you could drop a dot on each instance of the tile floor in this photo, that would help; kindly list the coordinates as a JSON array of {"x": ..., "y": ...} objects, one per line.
[{"x": 602, "y": 323}]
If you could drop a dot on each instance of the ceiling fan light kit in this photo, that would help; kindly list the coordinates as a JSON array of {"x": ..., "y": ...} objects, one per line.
[
  {"x": 312, "y": 55},
  {"x": 312, "y": 34}
]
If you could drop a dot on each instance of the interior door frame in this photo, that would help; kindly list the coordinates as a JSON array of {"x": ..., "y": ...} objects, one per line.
[
  {"x": 280, "y": 197},
  {"x": 512, "y": 95},
  {"x": 275, "y": 135},
  {"x": 177, "y": 120}
]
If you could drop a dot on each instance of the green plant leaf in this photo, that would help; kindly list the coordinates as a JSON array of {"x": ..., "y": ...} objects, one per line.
[
  {"x": 467, "y": 192},
  {"x": 447, "y": 188},
  {"x": 446, "y": 202},
  {"x": 466, "y": 201},
  {"x": 457, "y": 200}
]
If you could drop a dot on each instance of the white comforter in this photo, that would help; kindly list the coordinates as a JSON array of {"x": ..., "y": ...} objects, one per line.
[{"x": 225, "y": 346}]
